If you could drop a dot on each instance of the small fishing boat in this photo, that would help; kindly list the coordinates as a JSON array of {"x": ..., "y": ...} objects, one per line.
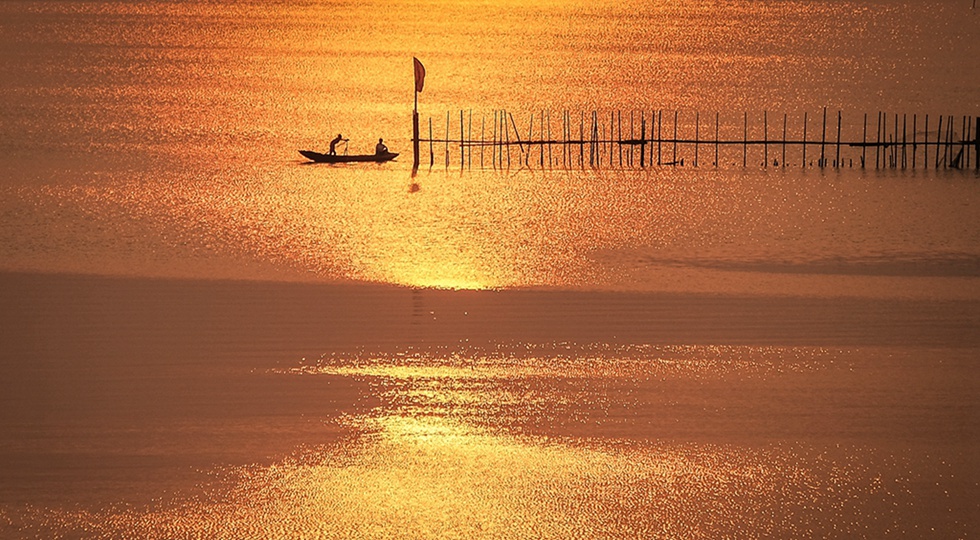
[{"x": 336, "y": 158}]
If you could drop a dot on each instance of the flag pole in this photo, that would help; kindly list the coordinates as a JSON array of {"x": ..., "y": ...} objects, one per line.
[
  {"x": 416, "y": 68},
  {"x": 415, "y": 133}
]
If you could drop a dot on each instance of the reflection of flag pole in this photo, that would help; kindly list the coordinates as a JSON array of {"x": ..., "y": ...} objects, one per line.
[{"x": 419, "y": 82}]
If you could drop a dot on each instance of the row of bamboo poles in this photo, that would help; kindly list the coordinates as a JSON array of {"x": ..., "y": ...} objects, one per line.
[{"x": 650, "y": 138}]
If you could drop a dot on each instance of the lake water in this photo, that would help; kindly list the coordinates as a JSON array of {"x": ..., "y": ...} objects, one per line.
[{"x": 204, "y": 336}]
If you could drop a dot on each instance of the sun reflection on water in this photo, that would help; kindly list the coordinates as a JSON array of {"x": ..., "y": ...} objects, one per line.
[
  {"x": 430, "y": 477},
  {"x": 443, "y": 457}
]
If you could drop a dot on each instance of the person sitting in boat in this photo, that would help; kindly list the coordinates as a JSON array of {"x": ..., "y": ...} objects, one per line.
[
  {"x": 381, "y": 148},
  {"x": 333, "y": 144}
]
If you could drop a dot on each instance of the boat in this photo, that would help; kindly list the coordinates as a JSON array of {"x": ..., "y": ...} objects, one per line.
[{"x": 317, "y": 157}]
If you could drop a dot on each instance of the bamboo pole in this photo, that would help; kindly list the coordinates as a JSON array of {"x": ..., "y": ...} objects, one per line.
[
  {"x": 570, "y": 145},
  {"x": 965, "y": 143},
  {"x": 432, "y": 154},
  {"x": 502, "y": 148},
  {"x": 675, "y": 137},
  {"x": 612, "y": 134},
  {"x": 864, "y": 141},
  {"x": 483, "y": 130},
  {"x": 823, "y": 139},
  {"x": 504, "y": 151},
  {"x": 945, "y": 143},
  {"x": 598, "y": 129},
  {"x": 599, "y": 134},
  {"x": 498, "y": 137},
  {"x": 462, "y": 149},
  {"x": 493, "y": 148},
  {"x": 507, "y": 135},
  {"x": 804, "y": 138},
  {"x": 745, "y": 139},
  {"x": 914, "y": 146},
  {"x": 592, "y": 141},
  {"x": 530, "y": 137},
  {"x": 568, "y": 136},
  {"x": 939, "y": 139},
  {"x": 885, "y": 148},
  {"x": 889, "y": 140},
  {"x": 643, "y": 136},
  {"x": 564, "y": 138},
  {"x": 963, "y": 137},
  {"x": 966, "y": 140},
  {"x": 765, "y": 139},
  {"x": 878, "y": 143},
  {"x": 889, "y": 149},
  {"x": 561, "y": 129},
  {"x": 469, "y": 162},
  {"x": 837, "y": 161},
  {"x": 619, "y": 122},
  {"x": 716, "y": 137},
  {"x": 580, "y": 140},
  {"x": 949, "y": 140},
  {"x": 600, "y": 139},
  {"x": 783, "y": 162},
  {"x": 517, "y": 135},
  {"x": 976, "y": 143},
  {"x": 904, "y": 140},
  {"x": 895, "y": 147},
  {"x": 660, "y": 125},
  {"x": 948, "y": 148},
  {"x": 697, "y": 135},
  {"x": 497, "y": 149},
  {"x": 925, "y": 145},
  {"x": 541, "y": 146},
  {"x": 550, "y": 142},
  {"x": 632, "y": 137},
  {"x": 505, "y": 142}
]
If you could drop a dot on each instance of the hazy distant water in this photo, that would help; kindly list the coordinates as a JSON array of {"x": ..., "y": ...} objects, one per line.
[{"x": 706, "y": 352}]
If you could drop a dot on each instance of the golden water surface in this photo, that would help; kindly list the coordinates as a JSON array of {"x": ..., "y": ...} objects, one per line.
[
  {"x": 274, "y": 349},
  {"x": 601, "y": 442}
]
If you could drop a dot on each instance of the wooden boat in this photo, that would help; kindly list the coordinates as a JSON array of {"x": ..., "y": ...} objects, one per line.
[{"x": 327, "y": 158}]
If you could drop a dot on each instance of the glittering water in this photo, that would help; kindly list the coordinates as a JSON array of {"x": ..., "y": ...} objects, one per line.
[
  {"x": 562, "y": 440},
  {"x": 674, "y": 352}
]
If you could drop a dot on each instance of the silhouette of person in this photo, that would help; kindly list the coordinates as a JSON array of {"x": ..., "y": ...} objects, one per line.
[
  {"x": 333, "y": 144},
  {"x": 381, "y": 148}
]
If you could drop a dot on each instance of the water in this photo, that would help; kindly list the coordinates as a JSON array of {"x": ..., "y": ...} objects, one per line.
[{"x": 206, "y": 337}]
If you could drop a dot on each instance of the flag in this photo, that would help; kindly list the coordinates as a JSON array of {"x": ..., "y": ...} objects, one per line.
[{"x": 419, "y": 74}]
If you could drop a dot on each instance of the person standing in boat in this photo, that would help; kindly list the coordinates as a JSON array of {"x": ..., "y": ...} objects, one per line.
[
  {"x": 333, "y": 144},
  {"x": 381, "y": 148}
]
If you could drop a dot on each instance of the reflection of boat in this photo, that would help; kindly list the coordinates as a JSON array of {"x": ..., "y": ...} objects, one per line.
[{"x": 327, "y": 158}]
